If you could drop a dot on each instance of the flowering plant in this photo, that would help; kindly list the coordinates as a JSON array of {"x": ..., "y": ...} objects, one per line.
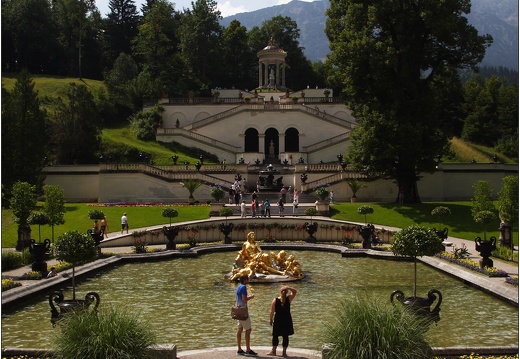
[{"x": 191, "y": 238}]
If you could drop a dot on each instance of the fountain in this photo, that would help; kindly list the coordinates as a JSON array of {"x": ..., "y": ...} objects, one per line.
[{"x": 163, "y": 293}]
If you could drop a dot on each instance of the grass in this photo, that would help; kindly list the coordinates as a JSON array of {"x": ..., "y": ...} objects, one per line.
[
  {"x": 460, "y": 223},
  {"x": 76, "y": 218},
  {"x": 162, "y": 155},
  {"x": 466, "y": 152}
]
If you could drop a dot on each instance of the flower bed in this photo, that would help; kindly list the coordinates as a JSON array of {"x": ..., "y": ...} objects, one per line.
[
  {"x": 513, "y": 280},
  {"x": 473, "y": 265}
]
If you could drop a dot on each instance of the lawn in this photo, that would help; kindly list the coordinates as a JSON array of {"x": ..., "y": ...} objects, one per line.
[
  {"x": 76, "y": 218},
  {"x": 459, "y": 223}
]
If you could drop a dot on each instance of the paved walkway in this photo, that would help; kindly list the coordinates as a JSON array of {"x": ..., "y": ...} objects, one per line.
[{"x": 497, "y": 286}]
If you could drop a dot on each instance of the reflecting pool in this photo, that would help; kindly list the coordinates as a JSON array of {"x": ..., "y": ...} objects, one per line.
[{"x": 187, "y": 301}]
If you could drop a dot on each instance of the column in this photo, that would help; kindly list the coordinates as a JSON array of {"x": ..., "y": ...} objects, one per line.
[
  {"x": 281, "y": 143},
  {"x": 283, "y": 74},
  {"x": 259, "y": 73},
  {"x": 266, "y": 74},
  {"x": 277, "y": 78},
  {"x": 261, "y": 144}
]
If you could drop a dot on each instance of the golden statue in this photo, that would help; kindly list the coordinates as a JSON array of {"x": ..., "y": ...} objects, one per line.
[{"x": 252, "y": 261}]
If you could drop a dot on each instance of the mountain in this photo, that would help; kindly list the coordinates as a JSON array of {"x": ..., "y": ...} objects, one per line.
[{"x": 499, "y": 18}]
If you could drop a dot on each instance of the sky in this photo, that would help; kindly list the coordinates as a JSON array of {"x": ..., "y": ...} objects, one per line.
[{"x": 227, "y": 7}]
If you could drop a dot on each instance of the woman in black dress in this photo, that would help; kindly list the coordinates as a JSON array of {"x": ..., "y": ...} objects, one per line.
[{"x": 280, "y": 318}]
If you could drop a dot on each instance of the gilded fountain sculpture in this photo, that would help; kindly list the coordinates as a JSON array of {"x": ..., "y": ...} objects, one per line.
[{"x": 264, "y": 267}]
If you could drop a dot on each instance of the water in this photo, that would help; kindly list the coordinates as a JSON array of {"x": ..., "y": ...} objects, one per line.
[{"x": 188, "y": 301}]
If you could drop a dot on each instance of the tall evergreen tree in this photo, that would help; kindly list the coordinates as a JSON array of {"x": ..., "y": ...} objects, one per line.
[
  {"x": 200, "y": 39},
  {"x": 385, "y": 56},
  {"x": 29, "y": 37},
  {"x": 155, "y": 47},
  {"x": 76, "y": 128},
  {"x": 238, "y": 57},
  {"x": 120, "y": 29},
  {"x": 23, "y": 134}
]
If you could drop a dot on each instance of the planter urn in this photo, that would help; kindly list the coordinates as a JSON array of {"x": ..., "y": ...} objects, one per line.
[
  {"x": 170, "y": 233},
  {"x": 311, "y": 228},
  {"x": 419, "y": 305},
  {"x": 70, "y": 305},
  {"x": 226, "y": 229},
  {"x": 485, "y": 247},
  {"x": 39, "y": 251},
  {"x": 366, "y": 234}
]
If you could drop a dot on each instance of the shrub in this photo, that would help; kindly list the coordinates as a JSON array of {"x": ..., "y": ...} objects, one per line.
[
  {"x": 169, "y": 212},
  {"x": 322, "y": 192},
  {"x": 364, "y": 210},
  {"x": 96, "y": 214},
  {"x": 217, "y": 193},
  {"x": 366, "y": 329},
  {"x": 109, "y": 334},
  {"x": 31, "y": 276},
  {"x": 13, "y": 260}
]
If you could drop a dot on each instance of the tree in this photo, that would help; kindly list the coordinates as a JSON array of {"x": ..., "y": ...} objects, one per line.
[
  {"x": 74, "y": 247},
  {"x": 200, "y": 38},
  {"x": 23, "y": 201},
  {"x": 79, "y": 30},
  {"x": 54, "y": 206},
  {"x": 508, "y": 199},
  {"x": 191, "y": 185},
  {"x": 120, "y": 29},
  {"x": 238, "y": 57},
  {"x": 76, "y": 129},
  {"x": 29, "y": 37},
  {"x": 156, "y": 44},
  {"x": 145, "y": 122},
  {"x": 482, "y": 198},
  {"x": 386, "y": 56},
  {"x": 23, "y": 135},
  {"x": 416, "y": 241}
]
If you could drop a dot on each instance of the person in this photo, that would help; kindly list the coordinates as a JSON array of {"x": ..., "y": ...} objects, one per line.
[
  {"x": 280, "y": 319},
  {"x": 280, "y": 206},
  {"x": 95, "y": 227},
  {"x": 231, "y": 194},
  {"x": 104, "y": 226},
  {"x": 253, "y": 208},
  {"x": 296, "y": 194},
  {"x": 294, "y": 206},
  {"x": 242, "y": 298},
  {"x": 331, "y": 197},
  {"x": 267, "y": 207},
  {"x": 52, "y": 273},
  {"x": 124, "y": 223},
  {"x": 283, "y": 193},
  {"x": 243, "y": 209},
  {"x": 291, "y": 191}
]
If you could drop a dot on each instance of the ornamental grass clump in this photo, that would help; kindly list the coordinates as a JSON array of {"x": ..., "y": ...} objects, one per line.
[
  {"x": 365, "y": 329},
  {"x": 111, "y": 333}
]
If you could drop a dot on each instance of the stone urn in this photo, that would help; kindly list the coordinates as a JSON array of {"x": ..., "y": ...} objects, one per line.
[
  {"x": 485, "y": 247},
  {"x": 170, "y": 233},
  {"x": 68, "y": 306},
  {"x": 442, "y": 234},
  {"x": 366, "y": 234},
  {"x": 311, "y": 228},
  {"x": 97, "y": 237},
  {"x": 226, "y": 229},
  {"x": 421, "y": 306},
  {"x": 39, "y": 251}
]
